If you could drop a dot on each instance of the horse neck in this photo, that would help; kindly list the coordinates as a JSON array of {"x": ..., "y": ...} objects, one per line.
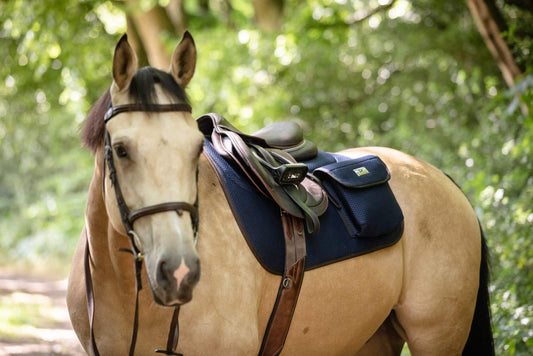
[
  {"x": 219, "y": 233},
  {"x": 104, "y": 240}
]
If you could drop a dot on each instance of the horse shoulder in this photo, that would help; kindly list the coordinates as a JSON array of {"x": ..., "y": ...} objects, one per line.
[{"x": 76, "y": 299}]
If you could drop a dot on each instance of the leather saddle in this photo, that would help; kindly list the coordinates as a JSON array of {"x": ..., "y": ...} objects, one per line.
[{"x": 269, "y": 158}]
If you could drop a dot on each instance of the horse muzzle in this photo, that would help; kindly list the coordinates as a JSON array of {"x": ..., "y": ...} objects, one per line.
[{"x": 174, "y": 279}]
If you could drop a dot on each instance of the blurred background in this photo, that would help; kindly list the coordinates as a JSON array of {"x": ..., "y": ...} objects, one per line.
[{"x": 450, "y": 82}]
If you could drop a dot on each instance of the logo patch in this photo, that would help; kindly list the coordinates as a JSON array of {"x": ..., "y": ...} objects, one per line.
[{"x": 361, "y": 171}]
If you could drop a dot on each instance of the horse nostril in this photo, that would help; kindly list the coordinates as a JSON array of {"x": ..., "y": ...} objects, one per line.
[
  {"x": 195, "y": 276},
  {"x": 164, "y": 275}
]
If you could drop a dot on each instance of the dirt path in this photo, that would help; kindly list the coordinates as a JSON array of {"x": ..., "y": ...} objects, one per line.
[{"x": 34, "y": 318}]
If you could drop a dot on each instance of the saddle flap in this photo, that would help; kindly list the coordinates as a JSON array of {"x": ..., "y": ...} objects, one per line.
[
  {"x": 273, "y": 172},
  {"x": 356, "y": 173}
]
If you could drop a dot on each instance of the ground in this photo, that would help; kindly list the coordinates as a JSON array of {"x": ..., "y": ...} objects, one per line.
[{"x": 34, "y": 318}]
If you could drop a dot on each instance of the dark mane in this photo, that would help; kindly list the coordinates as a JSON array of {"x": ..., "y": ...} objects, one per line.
[
  {"x": 142, "y": 91},
  {"x": 92, "y": 135}
]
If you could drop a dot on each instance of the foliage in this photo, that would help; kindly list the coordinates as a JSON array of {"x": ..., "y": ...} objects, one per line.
[
  {"x": 504, "y": 191},
  {"x": 415, "y": 76},
  {"x": 50, "y": 66},
  {"x": 517, "y": 28}
]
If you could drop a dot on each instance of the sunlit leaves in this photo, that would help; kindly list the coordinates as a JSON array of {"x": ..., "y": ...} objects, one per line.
[{"x": 46, "y": 72}]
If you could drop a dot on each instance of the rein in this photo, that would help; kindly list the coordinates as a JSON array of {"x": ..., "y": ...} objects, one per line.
[{"x": 128, "y": 218}]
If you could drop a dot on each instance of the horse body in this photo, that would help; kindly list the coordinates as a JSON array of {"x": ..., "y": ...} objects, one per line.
[
  {"x": 421, "y": 290},
  {"x": 340, "y": 305}
]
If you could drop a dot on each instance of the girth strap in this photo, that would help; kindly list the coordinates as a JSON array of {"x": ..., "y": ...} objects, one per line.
[{"x": 289, "y": 289}]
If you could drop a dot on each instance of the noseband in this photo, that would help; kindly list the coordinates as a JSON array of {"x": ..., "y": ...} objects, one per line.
[{"x": 128, "y": 218}]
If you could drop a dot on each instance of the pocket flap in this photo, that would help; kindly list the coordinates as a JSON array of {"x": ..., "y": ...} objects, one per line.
[{"x": 356, "y": 173}]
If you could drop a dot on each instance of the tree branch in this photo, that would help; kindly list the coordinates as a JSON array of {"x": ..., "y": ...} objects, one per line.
[
  {"x": 362, "y": 15},
  {"x": 268, "y": 14},
  {"x": 495, "y": 43},
  {"x": 133, "y": 38},
  {"x": 176, "y": 14},
  {"x": 149, "y": 26}
]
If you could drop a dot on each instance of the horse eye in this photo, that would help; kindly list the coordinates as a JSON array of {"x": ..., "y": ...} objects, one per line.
[{"x": 121, "y": 151}]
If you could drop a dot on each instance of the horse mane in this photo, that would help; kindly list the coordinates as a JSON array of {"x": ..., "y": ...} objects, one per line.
[
  {"x": 141, "y": 90},
  {"x": 92, "y": 135}
]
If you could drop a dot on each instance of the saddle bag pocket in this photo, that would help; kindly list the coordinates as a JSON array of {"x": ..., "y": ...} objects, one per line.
[{"x": 359, "y": 190}]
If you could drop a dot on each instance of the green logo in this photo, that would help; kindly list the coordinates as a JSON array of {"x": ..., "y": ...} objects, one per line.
[{"x": 361, "y": 171}]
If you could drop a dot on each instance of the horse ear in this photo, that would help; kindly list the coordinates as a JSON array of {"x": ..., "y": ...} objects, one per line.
[
  {"x": 183, "y": 61},
  {"x": 124, "y": 63}
]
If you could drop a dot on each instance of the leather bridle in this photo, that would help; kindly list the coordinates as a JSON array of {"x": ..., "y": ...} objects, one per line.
[{"x": 129, "y": 217}]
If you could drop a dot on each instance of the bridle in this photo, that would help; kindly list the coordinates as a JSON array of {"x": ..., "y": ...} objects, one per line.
[{"x": 129, "y": 217}]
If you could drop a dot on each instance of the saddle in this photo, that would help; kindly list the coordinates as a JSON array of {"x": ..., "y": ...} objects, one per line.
[
  {"x": 269, "y": 158},
  {"x": 272, "y": 165}
]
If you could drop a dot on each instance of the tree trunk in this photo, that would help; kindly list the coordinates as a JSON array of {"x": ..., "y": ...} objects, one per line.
[
  {"x": 149, "y": 26},
  {"x": 176, "y": 14},
  {"x": 494, "y": 41},
  {"x": 136, "y": 43},
  {"x": 268, "y": 14}
]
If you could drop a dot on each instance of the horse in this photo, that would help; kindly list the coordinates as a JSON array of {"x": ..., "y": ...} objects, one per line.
[{"x": 429, "y": 290}]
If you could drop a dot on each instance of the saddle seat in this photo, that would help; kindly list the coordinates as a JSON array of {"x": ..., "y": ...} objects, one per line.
[
  {"x": 269, "y": 158},
  {"x": 289, "y": 137}
]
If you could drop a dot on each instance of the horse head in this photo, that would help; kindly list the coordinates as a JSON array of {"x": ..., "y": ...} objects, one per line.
[{"x": 151, "y": 160}]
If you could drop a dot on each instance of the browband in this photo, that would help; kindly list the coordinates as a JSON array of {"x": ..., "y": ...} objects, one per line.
[{"x": 115, "y": 110}]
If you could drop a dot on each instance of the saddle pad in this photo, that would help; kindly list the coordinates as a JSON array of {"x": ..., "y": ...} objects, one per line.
[{"x": 259, "y": 220}]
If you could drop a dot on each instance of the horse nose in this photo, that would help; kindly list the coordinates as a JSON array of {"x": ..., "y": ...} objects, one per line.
[{"x": 186, "y": 273}]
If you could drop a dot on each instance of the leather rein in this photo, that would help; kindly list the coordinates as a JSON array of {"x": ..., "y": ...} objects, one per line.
[{"x": 128, "y": 218}]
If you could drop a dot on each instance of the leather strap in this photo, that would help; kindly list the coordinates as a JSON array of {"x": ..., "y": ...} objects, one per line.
[
  {"x": 249, "y": 157},
  {"x": 91, "y": 305},
  {"x": 173, "y": 335},
  {"x": 89, "y": 292},
  {"x": 115, "y": 110},
  {"x": 128, "y": 218},
  {"x": 289, "y": 289},
  {"x": 178, "y": 207}
]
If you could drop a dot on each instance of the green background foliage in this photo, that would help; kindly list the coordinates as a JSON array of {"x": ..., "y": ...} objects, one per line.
[{"x": 417, "y": 77}]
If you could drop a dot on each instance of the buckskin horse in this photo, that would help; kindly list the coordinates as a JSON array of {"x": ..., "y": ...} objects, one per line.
[{"x": 155, "y": 194}]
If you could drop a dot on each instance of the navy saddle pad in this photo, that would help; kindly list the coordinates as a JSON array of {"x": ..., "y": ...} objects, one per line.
[{"x": 362, "y": 216}]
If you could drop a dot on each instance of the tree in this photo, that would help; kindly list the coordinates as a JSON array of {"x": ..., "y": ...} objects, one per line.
[
  {"x": 268, "y": 14},
  {"x": 495, "y": 43}
]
